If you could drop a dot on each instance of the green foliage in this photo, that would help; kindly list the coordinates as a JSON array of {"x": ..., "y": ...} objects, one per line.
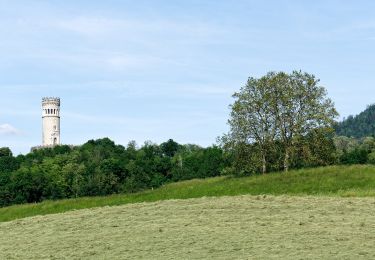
[
  {"x": 315, "y": 149},
  {"x": 273, "y": 116},
  {"x": 358, "y": 126},
  {"x": 358, "y": 180},
  {"x": 5, "y": 152},
  {"x": 170, "y": 148},
  {"x": 357, "y": 156},
  {"x": 351, "y": 150},
  {"x": 199, "y": 164},
  {"x": 100, "y": 167},
  {"x": 371, "y": 158}
]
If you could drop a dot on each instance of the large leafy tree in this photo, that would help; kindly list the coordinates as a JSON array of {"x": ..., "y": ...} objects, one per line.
[
  {"x": 252, "y": 118},
  {"x": 278, "y": 108},
  {"x": 300, "y": 106}
]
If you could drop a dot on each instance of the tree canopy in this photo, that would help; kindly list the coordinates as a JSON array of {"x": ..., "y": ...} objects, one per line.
[{"x": 275, "y": 113}]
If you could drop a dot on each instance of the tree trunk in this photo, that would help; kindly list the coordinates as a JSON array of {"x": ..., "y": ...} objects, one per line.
[
  {"x": 286, "y": 160},
  {"x": 264, "y": 166}
]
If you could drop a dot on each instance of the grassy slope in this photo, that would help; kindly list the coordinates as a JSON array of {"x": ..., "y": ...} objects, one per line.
[
  {"x": 239, "y": 227},
  {"x": 332, "y": 181}
]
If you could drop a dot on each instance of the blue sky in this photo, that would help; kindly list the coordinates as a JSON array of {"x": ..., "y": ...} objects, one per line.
[{"x": 154, "y": 70}]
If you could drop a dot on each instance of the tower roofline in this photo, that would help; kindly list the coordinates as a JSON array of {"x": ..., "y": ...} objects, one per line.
[{"x": 49, "y": 100}]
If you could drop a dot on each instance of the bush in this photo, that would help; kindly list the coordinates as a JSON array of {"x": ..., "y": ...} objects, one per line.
[
  {"x": 371, "y": 158},
  {"x": 357, "y": 156}
]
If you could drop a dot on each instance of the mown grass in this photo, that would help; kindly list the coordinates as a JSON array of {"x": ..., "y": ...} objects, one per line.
[
  {"x": 236, "y": 227},
  {"x": 345, "y": 181}
]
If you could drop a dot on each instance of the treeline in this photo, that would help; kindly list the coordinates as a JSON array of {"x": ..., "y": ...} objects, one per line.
[
  {"x": 350, "y": 150},
  {"x": 321, "y": 147},
  {"x": 358, "y": 126},
  {"x": 100, "y": 167}
]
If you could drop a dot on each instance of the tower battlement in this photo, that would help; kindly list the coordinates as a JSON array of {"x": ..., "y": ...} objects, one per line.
[{"x": 51, "y": 101}]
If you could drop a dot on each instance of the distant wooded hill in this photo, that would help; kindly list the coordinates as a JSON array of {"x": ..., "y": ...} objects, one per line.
[{"x": 358, "y": 126}]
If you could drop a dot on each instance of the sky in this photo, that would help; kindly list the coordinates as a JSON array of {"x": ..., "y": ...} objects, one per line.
[{"x": 160, "y": 69}]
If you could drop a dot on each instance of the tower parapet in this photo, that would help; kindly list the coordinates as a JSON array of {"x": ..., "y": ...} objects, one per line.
[
  {"x": 51, "y": 121},
  {"x": 51, "y": 100}
]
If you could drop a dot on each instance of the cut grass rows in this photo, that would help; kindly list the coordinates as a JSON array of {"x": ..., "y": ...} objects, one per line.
[
  {"x": 237, "y": 227},
  {"x": 342, "y": 181}
]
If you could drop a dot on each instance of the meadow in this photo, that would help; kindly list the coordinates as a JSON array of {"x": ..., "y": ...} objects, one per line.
[
  {"x": 342, "y": 181},
  {"x": 237, "y": 227}
]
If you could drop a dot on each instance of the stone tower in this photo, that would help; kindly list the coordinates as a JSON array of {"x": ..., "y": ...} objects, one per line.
[{"x": 51, "y": 121}]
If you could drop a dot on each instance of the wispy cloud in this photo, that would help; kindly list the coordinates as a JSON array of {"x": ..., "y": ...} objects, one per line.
[
  {"x": 97, "y": 26},
  {"x": 7, "y": 129}
]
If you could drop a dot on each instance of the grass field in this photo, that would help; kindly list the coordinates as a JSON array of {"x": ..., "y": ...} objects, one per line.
[
  {"x": 239, "y": 227},
  {"x": 344, "y": 181}
]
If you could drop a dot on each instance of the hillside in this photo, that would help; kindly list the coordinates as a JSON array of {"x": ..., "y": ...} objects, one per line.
[
  {"x": 358, "y": 126},
  {"x": 343, "y": 181},
  {"x": 240, "y": 227}
]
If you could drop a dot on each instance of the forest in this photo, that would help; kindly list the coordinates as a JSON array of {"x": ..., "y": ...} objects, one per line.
[
  {"x": 100, "y": 167},
  {"x": 358, "y": 126}
]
